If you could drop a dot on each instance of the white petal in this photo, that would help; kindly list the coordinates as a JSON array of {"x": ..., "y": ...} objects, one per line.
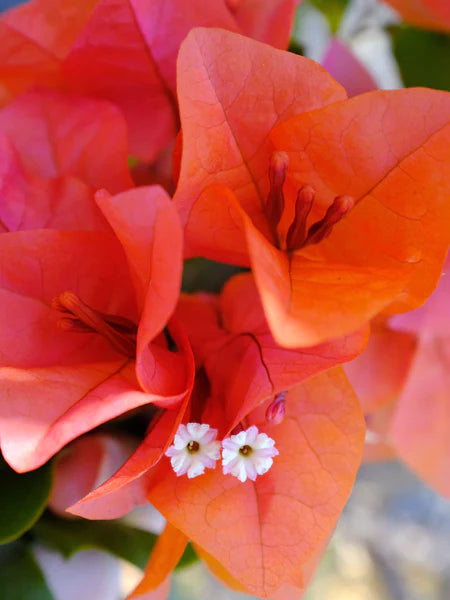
[
  {"x": 240, "y": 439},
  {"x": 197, "y": 468},
  {"x": 262, "y": 465},
  {"x": 263, "y": 441},
  {"x": 240, "y": 471},
  {"x": 172, "y": 451},
  {"x": 251, "y": 434},
  {"x": 197, "y": 430},
  {"x": 212, "y": 450},
  {"x": 183, "y": 434},
  {"x": 230, "y": 444},
  {"x": 180, "y": 463},
  {"x": 228, "y": 455},
  {"x": 230, "y": 464},
  {"x": 209, "y": 436}
]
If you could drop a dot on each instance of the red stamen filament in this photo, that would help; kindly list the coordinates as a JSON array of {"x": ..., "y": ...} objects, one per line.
[
  {"x": 298, "y": 235},
  {"x": 322, "y": 229},
  {"x": 81, "y": 318},
  {"x": 275, "y": 200}
]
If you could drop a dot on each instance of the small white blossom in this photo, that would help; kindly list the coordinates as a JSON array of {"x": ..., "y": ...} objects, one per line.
[
  {"x": 194, "y": 448},
  {"x": 248, "y": 454}
]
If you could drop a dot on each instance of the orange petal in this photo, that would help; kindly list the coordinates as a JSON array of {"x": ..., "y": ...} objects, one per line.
[
  {"x": 285, "y": 516},
  {"x": 399, "y": 181},
  {"x": 35, "y": 38},
  {"x": 218, "y": 570},
  {"x": 167, "y": 552},
  {"x": 232, "y": 91},
  {"x": 124, "y": 490},
  {"x": 379, "y": 373},
  {"x": 125, "y": 55},
  {"x": 420, "y": 428},
  {"x": 269, "y": 22},
  {"x": 58, "y": 134},
  {"x": 308, "y": 302},
  {"x": 430, "y": 14}
]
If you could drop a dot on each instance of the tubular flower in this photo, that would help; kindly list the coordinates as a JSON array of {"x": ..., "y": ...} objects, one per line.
[
  {"x": 194, "y": 448},
  {"x": 248, "y": 454}
]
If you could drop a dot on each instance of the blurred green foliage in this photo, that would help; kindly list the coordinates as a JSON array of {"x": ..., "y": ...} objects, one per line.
[
  {"x": 423, "y": 57},
  {"x": 332, "y": 9},
  {"x": 69, "y": 536},
  {"x": 201, "y": 274},
  {"x": 23, "y": 499},
  {"x": 20, "y": 576}
]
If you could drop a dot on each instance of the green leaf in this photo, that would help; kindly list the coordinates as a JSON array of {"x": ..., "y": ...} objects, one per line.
[
  {"x": 22, "y": 500},
  {"x": 189, "y": 557},
  {"x": 69, "y": 536},
  {"x": 332, "y": 9},
  {"x": 20, "y": 576},
  {"x": 423, "y": 57},
  {"x": 206, "y": 275}
]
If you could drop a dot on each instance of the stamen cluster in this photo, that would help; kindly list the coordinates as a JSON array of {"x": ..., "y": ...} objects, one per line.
[
  {"x": 299, "y": 234},
  {"x": 244, "y": 455}
]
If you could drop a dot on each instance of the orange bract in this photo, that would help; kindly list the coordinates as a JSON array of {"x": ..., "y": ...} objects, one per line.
[
  {"x": 430, "y": 14},
  {"x": 286, "y": 515},
  {"x": 164, "y": 558},
  {"x": 120, "y": 50},
  {"x": 352, "y": 262},
  {"x": 59, "y": 377},
  {"x": 402, "y": 381}
]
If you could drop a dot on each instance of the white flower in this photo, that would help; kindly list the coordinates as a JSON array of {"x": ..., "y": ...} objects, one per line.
[
  {"x": 248, "y": 454},
  {"x": 194, "y": 448}
]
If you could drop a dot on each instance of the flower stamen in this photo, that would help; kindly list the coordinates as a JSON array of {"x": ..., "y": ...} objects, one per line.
[
  {"x": 298, "y": 235},
  {"x": 193, "y": 447},
  {"x": 245, "y": 450},
  {"x": 279, "y": 163},
  {"x": 78, "y": 317}
]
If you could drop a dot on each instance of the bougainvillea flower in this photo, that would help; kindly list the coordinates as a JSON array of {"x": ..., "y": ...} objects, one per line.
[
  {"x": 82, "y": 319},
  {"x": 244, "y": 367},
  {"x": 330, "y": 209},
  {"x": 51, "y": 165},
  {"x": 243, "y": 364},
  {"x": 240, "y": 372},
  {"x": 430, "y": 14},
  {"x": 123, "y": 51},
  {"x": 264, "y": 532},
  {"x": 343, "y": 65}
]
